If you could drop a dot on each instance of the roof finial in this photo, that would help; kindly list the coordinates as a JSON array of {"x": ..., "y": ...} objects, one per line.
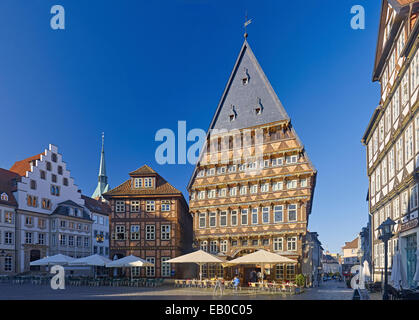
[{"x": 246, "y": 23}]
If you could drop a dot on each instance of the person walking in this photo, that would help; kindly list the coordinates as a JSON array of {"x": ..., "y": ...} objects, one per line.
[
  {"x": 218, "y": 285},
  {"x": 236, "y": 283}
]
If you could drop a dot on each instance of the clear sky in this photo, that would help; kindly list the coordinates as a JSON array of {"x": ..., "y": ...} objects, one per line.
[{"x": 130, "y": 68}]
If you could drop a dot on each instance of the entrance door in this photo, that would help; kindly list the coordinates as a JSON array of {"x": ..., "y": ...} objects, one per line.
[{"x": 411, "y": 246}]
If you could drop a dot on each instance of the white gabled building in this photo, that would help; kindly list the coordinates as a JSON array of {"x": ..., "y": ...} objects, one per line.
[{"x": 47, "y": 195}]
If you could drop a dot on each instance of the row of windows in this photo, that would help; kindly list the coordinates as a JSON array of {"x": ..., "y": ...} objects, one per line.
[
  {"x": 70, "y": 240},
  {"x": 231, "y": 218},
  {"x": 243, "y": 190},
  {"x": 278, "y": 244},
  {"x": 33, "y": 184},
  {"x": 100, "y": 220},
  {"x": 64, "y": 224},
  {"x": 401, "y": 205},
  {"x": 135, "y": 231},
  {"x": 143, "y": 183},
  {"x": 396, "y": 158},
  {"x": 30, "y": 238},
  {"x": 30, "y": 222},
  {"x": 262, "y": 164},
  {"x": 151, "y": 271},
  {"x": 150, "y": 206},
  {"x": 379, "y": 253},
  {"x": 394, "y": 107},
  {"x": 101, "y": 250},
  {"x": 7, "y": 217}
]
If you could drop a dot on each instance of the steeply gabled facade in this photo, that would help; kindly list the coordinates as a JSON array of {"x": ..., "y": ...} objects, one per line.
[
  {"x": 253, "y": 185},
  {"x": 392, "y": 137}
]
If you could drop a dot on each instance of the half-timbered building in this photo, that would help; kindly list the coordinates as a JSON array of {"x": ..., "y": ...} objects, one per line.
[
  {"x": 149, "y": 219},
  {"x": 253, "y": 185}
]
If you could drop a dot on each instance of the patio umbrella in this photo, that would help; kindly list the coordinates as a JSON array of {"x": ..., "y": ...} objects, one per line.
[
  {"x": 416, "y": 277},
  {"x": 59, "y": 259},
  {"x": 398, "y": 276},
  {"x": 129, "y": 261},
  {"x": 93, "y": 260},
  {"x": 199, "y": 257},
  {"x": 263, "y": 258}
]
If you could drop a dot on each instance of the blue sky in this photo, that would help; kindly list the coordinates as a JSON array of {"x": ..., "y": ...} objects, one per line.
[{"x": 130, "y": 68}]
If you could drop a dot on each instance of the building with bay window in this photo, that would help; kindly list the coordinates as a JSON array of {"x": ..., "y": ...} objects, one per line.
[
  {"x": 253, "y": 185},
  {"x": 149, "y": 219},
  {"x": 392, "y": 137}
]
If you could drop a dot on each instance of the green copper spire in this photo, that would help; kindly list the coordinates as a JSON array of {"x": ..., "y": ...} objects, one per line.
[{"x": 102, "y": 185}]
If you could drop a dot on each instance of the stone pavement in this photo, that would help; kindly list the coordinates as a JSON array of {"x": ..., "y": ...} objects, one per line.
[{"x": 330, "y": 290}]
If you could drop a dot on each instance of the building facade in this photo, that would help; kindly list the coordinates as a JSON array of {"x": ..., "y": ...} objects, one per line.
[
  {"x": 8, "y": 205},
  {"x": 350, "y": 255},
  {"x": 253, "y": 185},
  {"x": 392, "y": 136},
  {"x": 99, "y": 212},
  {"x": 50, "y": 214},
  {"x": 312, "y": 259},
  {"x": 149, "y": 219}
]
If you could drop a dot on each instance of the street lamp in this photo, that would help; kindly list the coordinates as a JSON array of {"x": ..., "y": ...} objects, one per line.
[{"x": 385, "y": 233}]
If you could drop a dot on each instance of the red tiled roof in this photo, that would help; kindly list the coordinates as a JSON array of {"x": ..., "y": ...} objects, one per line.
[
  {"x": 351, "y": 245},
  {"x": 20, "y": 167},
  {"x": 96, "y": 205},
  {"x": 144, "y": 170},
  {"x": 162, "y": 186},
  {"x": 8, "y": 185}
]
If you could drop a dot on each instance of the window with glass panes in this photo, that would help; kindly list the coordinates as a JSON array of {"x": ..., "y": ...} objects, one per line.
[
  {"x": 255, "y": 213},
  {"x": 204, "y": 246},
  {"x": 213, "y": 247},
  {"x": 135, "y": 232},
  {"x": 135, "y": 206},
  {"x": 165, "y": 205},
  {"x": 408, "y": 138},
  {"x": 202, "y": 220},
  {"x": 223, "y": 218},
  {"x": 278, "y": 244},
  {"x": 223, "y": 246},
  {"x": 265, "y": 214},
  {"x": 120, "y": 232},
  {"x": 150, "y": 230},
  {"x": 292, "y": 212},
  {"x": 290, "y": 272},
  {"x": 150, "y": 271},
  {"x": 138, "y": 183},
  {"x": 119, "y": 206},
  {"x": 396, "y": 208},
  {"x": 292, "y": 244},
  {"x": 414, "y": 197},
  {"x": 165, "y": 232},
  {"x": 233, "y": 216},
  {"x": 212, "y": 219},
  {"x": 165, "y": 267},
  {"x": 244, "y": 214},
  {"x": 278, "y": 213},
  {"x": 148, "y": 182},
  {"x": 150, "y": 205},
  {"x": 279, "y": 272},
  {"x": 277, "y": 186}
]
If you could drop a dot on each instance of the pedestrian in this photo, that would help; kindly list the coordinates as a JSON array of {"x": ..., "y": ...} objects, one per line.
[
  {"x": 218, "y": 285},
  {"x": 259, "y": 276},
  {"x": 236, "y": 282}
]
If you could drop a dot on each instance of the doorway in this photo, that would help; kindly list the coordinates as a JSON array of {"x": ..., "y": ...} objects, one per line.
[
  {"x": 33, "y": 256},
  {"x": 411, "y": 259}
]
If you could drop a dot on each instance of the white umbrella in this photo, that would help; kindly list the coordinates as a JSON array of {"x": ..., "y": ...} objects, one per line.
[
  {"x": 416, "y": 277},
  {"x": 262, "y": 257},
  {"x": 398, "y": 276},
  {"x": 129, "y": 261},
  {"x": 199, "y": 257},
  {"x": 93, "y": 260},
  {"x": 59, "y": 259}
]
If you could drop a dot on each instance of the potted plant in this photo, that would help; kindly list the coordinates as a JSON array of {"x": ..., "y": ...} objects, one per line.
[{"x": 300, "y": 280}]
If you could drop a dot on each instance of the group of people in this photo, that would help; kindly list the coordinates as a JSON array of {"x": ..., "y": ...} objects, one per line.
[
  {"x": 256, "y": 276},
  {"x": 219, "y": 284}
]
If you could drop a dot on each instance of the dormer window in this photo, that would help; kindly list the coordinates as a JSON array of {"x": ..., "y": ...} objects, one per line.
[
  {"x": 259, "y": 107},
  {"x": 245, "y": 79},
  {"x": 4, "y": 197},
  {"x": 258, "y": 110},
  {"x": 233, "y": 113}
]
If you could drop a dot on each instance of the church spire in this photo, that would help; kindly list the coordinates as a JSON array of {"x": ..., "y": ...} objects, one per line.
[{"x": 102, "y": 185}]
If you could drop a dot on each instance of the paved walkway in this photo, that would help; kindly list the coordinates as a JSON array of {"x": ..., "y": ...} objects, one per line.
[{"x": 331, "y": 290}]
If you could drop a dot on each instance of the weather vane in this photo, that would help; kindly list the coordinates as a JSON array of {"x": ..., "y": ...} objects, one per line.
[{"x": 246, "y": 23}]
